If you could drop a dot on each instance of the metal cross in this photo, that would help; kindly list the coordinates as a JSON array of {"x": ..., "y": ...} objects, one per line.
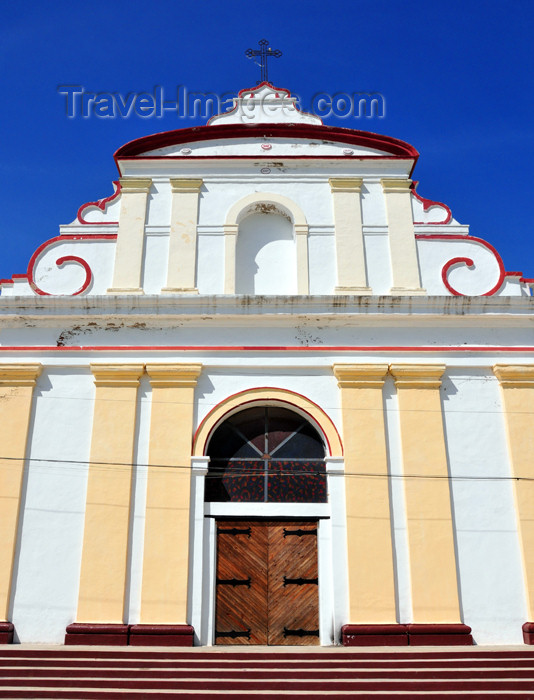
[{"x": 264, "y": 53}]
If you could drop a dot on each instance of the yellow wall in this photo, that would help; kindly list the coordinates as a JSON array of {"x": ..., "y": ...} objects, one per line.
[
  {"x": 428, "y": 501},
  {"x": 370, "y": 555},
  {"x": 16, "y": 390},
  {"x": 107, "y": 515},
  {"x": 166, "y": 548},
  {"x": 517, "y": 384}
]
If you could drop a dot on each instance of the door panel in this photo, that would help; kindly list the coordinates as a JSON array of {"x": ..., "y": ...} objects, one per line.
[
  {"x": 241, "y": 608},
  {"x": 293, "y": 591},
  {"x": 267, "y": 583}
]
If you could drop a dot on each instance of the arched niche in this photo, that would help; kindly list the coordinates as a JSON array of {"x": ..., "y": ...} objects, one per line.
[
  {"x": 264, "y": 240},
  {"x": 266, "y": 260}
]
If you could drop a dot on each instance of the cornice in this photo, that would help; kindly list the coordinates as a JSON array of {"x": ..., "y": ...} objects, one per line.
[
  {"x": 20, "y": 374},
  {"x": 117, "y": 375},
  {"x": 345, "y": 184},
  {"x": 179, "y": 184},
  {"x": 174, "y": 375},
  {"x": 18, "y": 310},
  {"x": 360, "y": 376},
  {"x": 135, "y": 184},
  {"x": 515, "y": 376},
  {"x": 409, "y": 376}
]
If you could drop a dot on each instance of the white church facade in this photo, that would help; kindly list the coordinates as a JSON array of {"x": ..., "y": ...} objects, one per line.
[{"x": 266, "y": 393}]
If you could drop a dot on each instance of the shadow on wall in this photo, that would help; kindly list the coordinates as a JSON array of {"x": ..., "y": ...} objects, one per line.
[{"x": 266, "y": 260}]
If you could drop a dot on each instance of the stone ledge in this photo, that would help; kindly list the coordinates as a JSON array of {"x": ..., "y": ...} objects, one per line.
[
  {"x": 374, "y": 635},
  {"x": 97, "y": 634},
  {"x": 6, "y": 632},
  {"x": 161, "y": 635}
]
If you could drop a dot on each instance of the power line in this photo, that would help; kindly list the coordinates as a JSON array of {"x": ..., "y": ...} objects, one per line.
[
  {"x": 228, "y": 473},
  {"x": 149, "y": 402}
]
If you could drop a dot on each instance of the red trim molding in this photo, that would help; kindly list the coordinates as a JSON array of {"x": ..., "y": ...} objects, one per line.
[
  {"x": 269, "y": 348},
  {"x": 65, "y": 259},
  {"x": 428, "y": 204},
  {"x": 374, "y": 636},
  {"x": 115, "y": 635},
  {"x": 439, "y": 634},
  {"x": 528, "y": 633},
  {"x": 100, "y": 204},
  {"x": 6, "y": 632},
  {"x": 466, "y": 261},
  {"x": 161, "y": 635},
  {"x": 138, "y": 147}
]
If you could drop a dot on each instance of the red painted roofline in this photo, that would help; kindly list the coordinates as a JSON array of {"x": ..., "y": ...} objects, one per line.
[{"x": 392, "y": 146}]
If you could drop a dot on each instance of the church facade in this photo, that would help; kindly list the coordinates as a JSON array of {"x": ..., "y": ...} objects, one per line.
[{"x": 266, "y": 393}]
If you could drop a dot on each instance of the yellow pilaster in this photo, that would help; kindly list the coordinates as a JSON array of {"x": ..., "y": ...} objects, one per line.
[
  {"x": 401, "y": 235},
  {"x": 350, "y": 250},
  {"x": 370, "y": 555},
  {"x": 16, "y": 391},
  {"x": 107, "y": 513},
  {"x": 166, "y": 548},
  {"x": 517, "y": 384},
  {"x": 183, "y": 236},
  {"x": 427, "y": 492},
  {"x": 130, "y": 236}
]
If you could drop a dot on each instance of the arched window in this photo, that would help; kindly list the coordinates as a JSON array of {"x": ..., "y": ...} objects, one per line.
[{"x": 266, "y": 454}]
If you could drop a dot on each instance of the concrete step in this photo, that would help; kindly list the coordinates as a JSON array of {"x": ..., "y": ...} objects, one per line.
[
  {"x": 60, "y": 693},
  {"x": 250, "y": 672},
  {"x": 275, "y": 684}
]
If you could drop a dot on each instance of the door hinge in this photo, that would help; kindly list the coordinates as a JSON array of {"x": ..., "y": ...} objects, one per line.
[
  {"x": 234, "y": 531},
  {"x": 234, "y": 634},
  {"x": 299, "y": 533},
  {"x": 234, "y": 581},
  {"x": 299, "y": 581},
  {"x": 300, "y": 633}
]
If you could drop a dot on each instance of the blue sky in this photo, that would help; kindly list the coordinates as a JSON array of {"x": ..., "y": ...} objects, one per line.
[{"x": 457, "y": 80}]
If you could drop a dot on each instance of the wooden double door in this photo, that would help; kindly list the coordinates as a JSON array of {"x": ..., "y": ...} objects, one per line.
[{"x": 267, "y": 583}]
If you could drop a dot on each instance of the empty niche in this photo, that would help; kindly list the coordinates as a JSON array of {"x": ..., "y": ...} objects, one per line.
[{"x": 266, "y": 261}]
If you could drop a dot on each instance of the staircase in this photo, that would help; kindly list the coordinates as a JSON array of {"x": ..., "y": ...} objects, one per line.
[{"x": 307, "y": 672}]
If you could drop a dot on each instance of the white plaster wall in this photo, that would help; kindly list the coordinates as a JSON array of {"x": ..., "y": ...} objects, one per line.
[
  {"x": 399, "y": 530},
  {"x": 489, "y": 560},
  {"x": 378, "y": 261},
  {"x": 156, "y": 256},
  {"x": 373, "y": 203},
  {"x": 279, "y": 146},
  {"x": 312, "y": 196},
  {"x": 132, "y": 611},
  {"x": 317, "y": 384},
  {"x": 47, "y": 564},
  {"x": 159, "y": 203},
  {"x": 210, "y": 262},
  {"x": 322, "y": 261}
]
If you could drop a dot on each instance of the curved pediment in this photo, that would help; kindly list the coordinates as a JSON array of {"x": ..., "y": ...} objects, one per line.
[{"x": 289, "y": 139}]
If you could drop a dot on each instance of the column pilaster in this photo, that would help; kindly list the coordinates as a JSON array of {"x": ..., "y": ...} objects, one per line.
[
  {"x": 181, "y": 273},
  {"x": 105, "y": 543},
  {"x": 370, "y": 553},
  {"x": 401, "y": 235},
  {"x": 131, "y": 236},
  {"x": 164, "y": 597},
  {"x": 350, "y": 249},
  {"x": 427, "y": 492}
]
